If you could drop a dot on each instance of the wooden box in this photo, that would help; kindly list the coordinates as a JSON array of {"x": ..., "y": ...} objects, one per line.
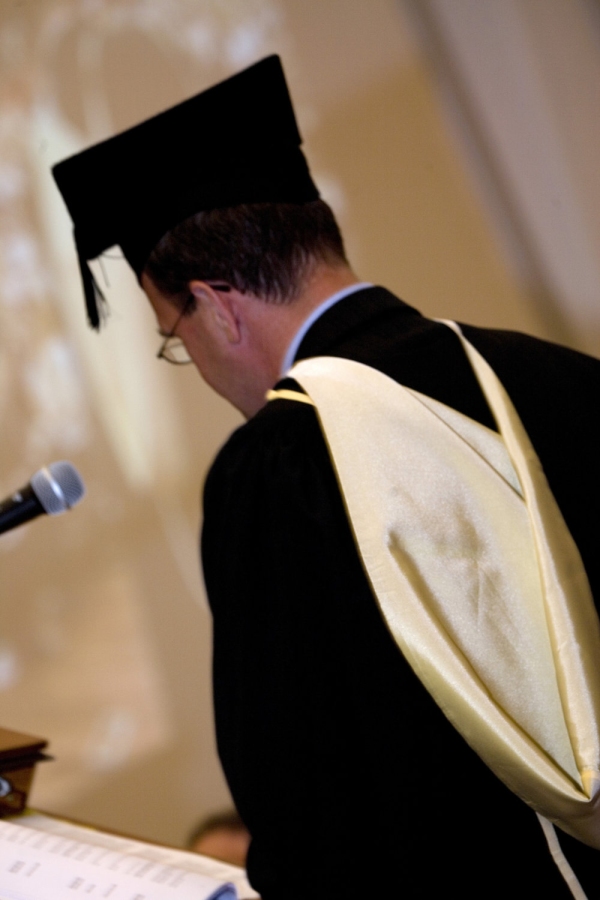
[{"x": 18, "y": 755}]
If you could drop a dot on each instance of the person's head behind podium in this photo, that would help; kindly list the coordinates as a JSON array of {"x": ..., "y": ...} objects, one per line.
[{"x": 222, "y": 836}]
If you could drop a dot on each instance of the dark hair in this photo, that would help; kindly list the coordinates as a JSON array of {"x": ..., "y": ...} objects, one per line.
[{"x": 267, "y": 249}]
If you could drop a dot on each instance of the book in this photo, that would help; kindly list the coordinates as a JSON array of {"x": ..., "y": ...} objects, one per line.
[{"x": 45, "y": 858}]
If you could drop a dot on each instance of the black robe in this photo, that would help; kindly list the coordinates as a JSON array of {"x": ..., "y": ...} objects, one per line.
[{"x": 350, "y": 779}]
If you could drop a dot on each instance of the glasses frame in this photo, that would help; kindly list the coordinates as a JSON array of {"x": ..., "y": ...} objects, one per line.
[{"x": 167, "y": 343}]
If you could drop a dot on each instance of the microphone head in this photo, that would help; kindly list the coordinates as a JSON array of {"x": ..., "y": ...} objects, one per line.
[{"x": 58, "y": 487}]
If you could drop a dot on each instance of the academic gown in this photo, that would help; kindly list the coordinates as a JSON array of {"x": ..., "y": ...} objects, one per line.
[{"x": 348, "y": 776}]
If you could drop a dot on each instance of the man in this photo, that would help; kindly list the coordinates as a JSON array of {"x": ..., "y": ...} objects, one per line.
[{"x": 349, "y": 777}]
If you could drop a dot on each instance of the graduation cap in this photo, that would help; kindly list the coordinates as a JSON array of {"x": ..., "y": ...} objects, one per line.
[{"x": 237, "y": 142}]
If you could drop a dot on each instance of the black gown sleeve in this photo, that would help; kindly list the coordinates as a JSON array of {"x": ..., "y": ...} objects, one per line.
[{"x": 348, "y": 776}]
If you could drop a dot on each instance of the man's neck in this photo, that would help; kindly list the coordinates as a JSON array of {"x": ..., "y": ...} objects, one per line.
[
  {"x": 323, "y": 284},
  {"x": 317, "y": 312},
  {"x": 267, "y": 330}
]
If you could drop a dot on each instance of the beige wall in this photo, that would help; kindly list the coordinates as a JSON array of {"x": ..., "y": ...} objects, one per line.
[{"x": 105, "y": 642}]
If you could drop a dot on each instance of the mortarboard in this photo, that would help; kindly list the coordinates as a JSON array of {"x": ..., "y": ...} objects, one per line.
[{"x": 237, "y": 142}]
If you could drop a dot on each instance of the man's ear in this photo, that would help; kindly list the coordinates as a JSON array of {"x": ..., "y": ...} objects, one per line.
[{"x": 219, "y": 308}]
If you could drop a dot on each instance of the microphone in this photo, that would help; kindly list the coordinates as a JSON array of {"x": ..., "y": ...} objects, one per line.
[{"x": 52, "y": 490}]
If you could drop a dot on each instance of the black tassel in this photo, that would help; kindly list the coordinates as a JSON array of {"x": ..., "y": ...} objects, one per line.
[{"x": 95, "y": 301}]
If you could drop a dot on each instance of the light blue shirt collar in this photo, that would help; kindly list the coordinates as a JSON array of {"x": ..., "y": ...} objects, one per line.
[{"x": 288, "y": 359}]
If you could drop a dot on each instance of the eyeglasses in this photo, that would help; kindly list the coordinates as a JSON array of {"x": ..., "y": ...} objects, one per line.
[{"x": 172, "y": 348}]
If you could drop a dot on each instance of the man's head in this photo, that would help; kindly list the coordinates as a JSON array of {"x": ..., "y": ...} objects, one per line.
[
  {"x": 227, "y": 235},
  {"x": 235, "y": 284}
]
